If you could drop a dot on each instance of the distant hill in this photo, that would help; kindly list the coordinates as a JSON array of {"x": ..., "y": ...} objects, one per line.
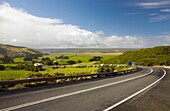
[
  {"x": 17, "y": 51},
  {"x": 159, "y": 55},
  {"x": 85, "y": 50}
]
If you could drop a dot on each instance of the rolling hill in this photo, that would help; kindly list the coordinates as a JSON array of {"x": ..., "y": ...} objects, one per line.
[
  {"x": 159, "y": 55},
  {"x": 17, "y": 51}
]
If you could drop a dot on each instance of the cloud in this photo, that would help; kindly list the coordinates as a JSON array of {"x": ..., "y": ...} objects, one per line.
[
  {"x": 165, "y": 10},
  {"x": 18, "y": 27},
  {"x": 159, "y": 9},
  {"x": 153, "y": 14},
  {"x": 162, "y": 40},
  {"x": 133, "y": 13},
  {"x": 156, "y": 4},
  {"x": 159, "y": 18}
]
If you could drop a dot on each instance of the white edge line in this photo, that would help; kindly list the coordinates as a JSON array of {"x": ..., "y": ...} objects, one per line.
[
  {"x": 70, "y": 94},
  {"x": 133, "y": 95}
]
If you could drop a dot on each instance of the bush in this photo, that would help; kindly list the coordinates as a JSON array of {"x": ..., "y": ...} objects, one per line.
[
  {"x": 56, "y": 63},
  {"x": 79, "y": 61},
  {"x": 91, "y": 60},
  {"x": 95, "y": 58},
  {"x": 81, "y": 66},
  {"x": 59, "y": 74},
  {"x": 62, "y": 57},
  {"x": 48, "y": 62},
  {"x": 2, "y": 67},
  {"x": 71, "y": 62},
  {"x": 28, "y": 58}
]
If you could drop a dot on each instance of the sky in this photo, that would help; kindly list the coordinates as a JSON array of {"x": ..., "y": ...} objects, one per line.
[{"x": 85, "y": 23}]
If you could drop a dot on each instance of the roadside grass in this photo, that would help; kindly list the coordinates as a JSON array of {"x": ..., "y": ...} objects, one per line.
[
  {"x": 12, "y": 74},
  {"x": 9, "y": 65},
  {"x": 71, "y": 71},
  {"x": 21, "y": 74}
]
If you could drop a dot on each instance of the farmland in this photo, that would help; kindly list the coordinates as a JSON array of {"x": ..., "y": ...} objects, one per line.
[
  {"x": 13, "y": 74},
  {"x": 61, "y": 68}
]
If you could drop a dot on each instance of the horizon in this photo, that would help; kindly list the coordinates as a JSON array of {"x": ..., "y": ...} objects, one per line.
[
  {"x": 85, "y": 24},
  {"x": 77, "y": 47}
]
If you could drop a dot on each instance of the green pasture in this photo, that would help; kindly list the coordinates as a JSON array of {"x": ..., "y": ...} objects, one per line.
[
  {"x": 19, "y": 60},
  {"x": 84, "y": 57},
  {"x": 21, "y": 74},
  {"x": 9, "y": 65},
  {"x": 11, "y": 74},
  {"x": 69, "y": 71}
]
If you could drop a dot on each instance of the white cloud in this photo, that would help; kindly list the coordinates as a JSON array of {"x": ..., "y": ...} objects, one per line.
[
  {"x": 132, "y": 13},
  {"x": 126, "y": 41},
  {"x": 14, "y": 40},
  {"x": 160, "y": 40},
  {"x": 156, "y": 4},
  {"x": 159, "y": 6},
  {"x": 153, "y": 14},
  {"x": 165, "y": 10},
  {"x": 18, "y": 27},
  {"x": 159, "y": 18}
]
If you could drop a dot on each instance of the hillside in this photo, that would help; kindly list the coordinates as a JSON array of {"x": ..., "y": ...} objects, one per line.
[
  {"x": 147, "y": 56},
  {"x": 17, "y": 51}
]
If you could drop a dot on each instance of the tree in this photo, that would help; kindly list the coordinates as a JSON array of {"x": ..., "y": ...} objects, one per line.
[
  {"x": 95, "y": 58},
  {"x": 79, "y": 61},
  {"x": 27, "y": 58},
  {"x": 56, "y": 63},
  {"x": 65, "y": 57},
  {"x": 48, "y": 62},
  {"x": 2, "y": 67},
  {"x": 7, "y": 59},
  {"x": 91, "y": 60},
  {"x": 71, "y": 62}
]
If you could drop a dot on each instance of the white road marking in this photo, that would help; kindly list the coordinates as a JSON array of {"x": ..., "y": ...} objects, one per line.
[
  {"x": 70, "y": 94},
  {"x": 133, "y": 95}
]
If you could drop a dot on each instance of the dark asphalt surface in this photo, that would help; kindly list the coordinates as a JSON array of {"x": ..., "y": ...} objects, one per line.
[
  {"x": 155, "y": 99},
  {"x": 95, "y": 100}
]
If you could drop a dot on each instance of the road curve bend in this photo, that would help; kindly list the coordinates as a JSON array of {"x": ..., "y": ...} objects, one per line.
[{"x": 96, "y": 95}]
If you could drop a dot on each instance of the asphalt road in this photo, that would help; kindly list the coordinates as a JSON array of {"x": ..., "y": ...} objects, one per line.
[
  {"x": 95, "y": 95},
  {"x": 155, "y": 99}
]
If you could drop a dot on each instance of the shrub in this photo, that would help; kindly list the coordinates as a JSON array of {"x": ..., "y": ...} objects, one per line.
[
  {"x": 48, "y": 62},
  {"x": 79, "y": 61},
  {"x": 2, "y": 67},
  {"x": 71, "y": 62}
]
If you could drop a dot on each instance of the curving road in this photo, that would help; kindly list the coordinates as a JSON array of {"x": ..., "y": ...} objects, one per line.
[{"x": 93, "y": 95}]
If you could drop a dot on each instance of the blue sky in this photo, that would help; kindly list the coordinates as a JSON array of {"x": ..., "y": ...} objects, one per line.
[{"x": 144, "y": 23}]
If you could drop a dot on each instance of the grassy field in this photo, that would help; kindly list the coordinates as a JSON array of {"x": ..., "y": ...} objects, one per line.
[
  {"x": 19, "y": 60},
  {"x": 13, "y": 74},
  {"x": 20, "y": 74},
  {"x": 69, "y": 71},
  {"x": 84, "y": 57},
  {"x": 9, "y": 64}
]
